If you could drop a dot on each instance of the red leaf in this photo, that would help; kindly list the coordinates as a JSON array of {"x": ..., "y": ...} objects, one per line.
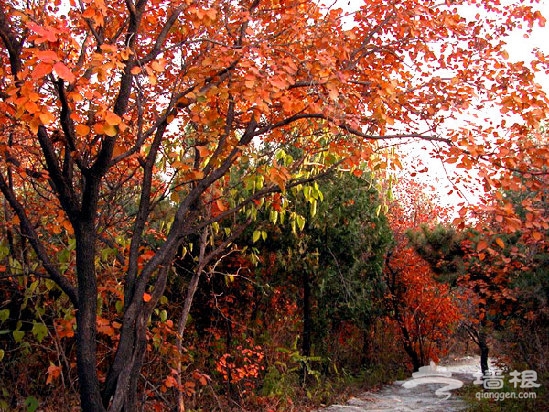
[
  {"x": 41, "y": 70},
  {"x": 63, "y": 72}
]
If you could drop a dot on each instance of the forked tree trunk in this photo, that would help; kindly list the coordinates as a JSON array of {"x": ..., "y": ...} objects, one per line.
[{"x": 121, "y": 386}]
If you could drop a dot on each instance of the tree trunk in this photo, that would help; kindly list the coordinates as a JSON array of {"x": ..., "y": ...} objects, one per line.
[
  {"x": 193, "y": 286},
  {"x": 482, "y": 340},
  {"x": 307, "y": 316},
  {"x": 416, "y": 362},
  {"x": 366, "y": 352},
  {"x": 307, "y": 324},
  {"x": 86, "y": 320},
  {"x": 484, "y": 350}
]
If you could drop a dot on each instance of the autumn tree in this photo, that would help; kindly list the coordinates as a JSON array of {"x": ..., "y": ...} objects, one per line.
[
  {"x": 154, "y": 100},
  {"x": 424, "y": 310},
  {"x": 511, "y": 251}
]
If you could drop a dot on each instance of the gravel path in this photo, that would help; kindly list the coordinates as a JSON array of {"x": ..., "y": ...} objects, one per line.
[{"x": 430, "y": 389}]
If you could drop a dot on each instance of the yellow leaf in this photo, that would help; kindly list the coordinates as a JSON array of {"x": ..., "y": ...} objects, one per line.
[
  {"x": 109, "y": 130},
  {"x": 256, "y": 235}
]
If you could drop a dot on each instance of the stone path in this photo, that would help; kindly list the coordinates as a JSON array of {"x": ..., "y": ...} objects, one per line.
[{"x": 429, "y": 390}]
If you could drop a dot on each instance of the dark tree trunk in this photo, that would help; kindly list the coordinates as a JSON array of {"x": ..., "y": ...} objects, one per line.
[
  {"x": 86, "y": 320},
  {"x": 484, "y": 351},
  {"x": 307, "y": 316},
  {"x": 307, "y": 324},
  {"x": 416, "y": 362},
  {"x": 366, "y": 353},
  {"x": 482, "y": 340}
]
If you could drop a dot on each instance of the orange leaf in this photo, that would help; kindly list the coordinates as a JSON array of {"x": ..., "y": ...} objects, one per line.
[
  {"x": 117, "y": 151},
  {"x": 500, "y": 243},
  {"x": 158, "y": 66},
  {"x": 481, "y": 245},
  {"x": 46, "y": 56},
  {"x": 146, "y": 297},
  {"x": 82, "y": 130},
  {"x": 203, "y": 151},
  {"x": 170, "y": 381},
  {"x": 54, "y": 372},
  {"x": 113, "y": 119},
  {"x": 64, "y": 328},
  {"x": 195, "y": 175},
  {"x": 46, "y": 118},
  {"x": 64, "y": 72},
  {"x": 41, "y": 70}
]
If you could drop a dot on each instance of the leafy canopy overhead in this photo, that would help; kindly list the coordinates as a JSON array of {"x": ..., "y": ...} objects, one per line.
[{"x": 113, "y": 74}]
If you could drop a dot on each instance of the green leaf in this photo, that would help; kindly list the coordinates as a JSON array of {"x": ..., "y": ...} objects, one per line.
[
  {"x": 256, "y": 235},
  {"x": 4, "y": 314},
  {"x": 163, "y": 315},
  {"x": 313, "y": 208},
  {"x": 18, "y": 335},
  {"x": 300, "y": 220},
  {"x": 31, "y": 403},
  {"x": 40, "y": 331}
]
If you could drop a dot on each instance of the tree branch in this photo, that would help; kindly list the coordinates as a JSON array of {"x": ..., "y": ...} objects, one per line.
[{"x": 30, "y": 234}]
